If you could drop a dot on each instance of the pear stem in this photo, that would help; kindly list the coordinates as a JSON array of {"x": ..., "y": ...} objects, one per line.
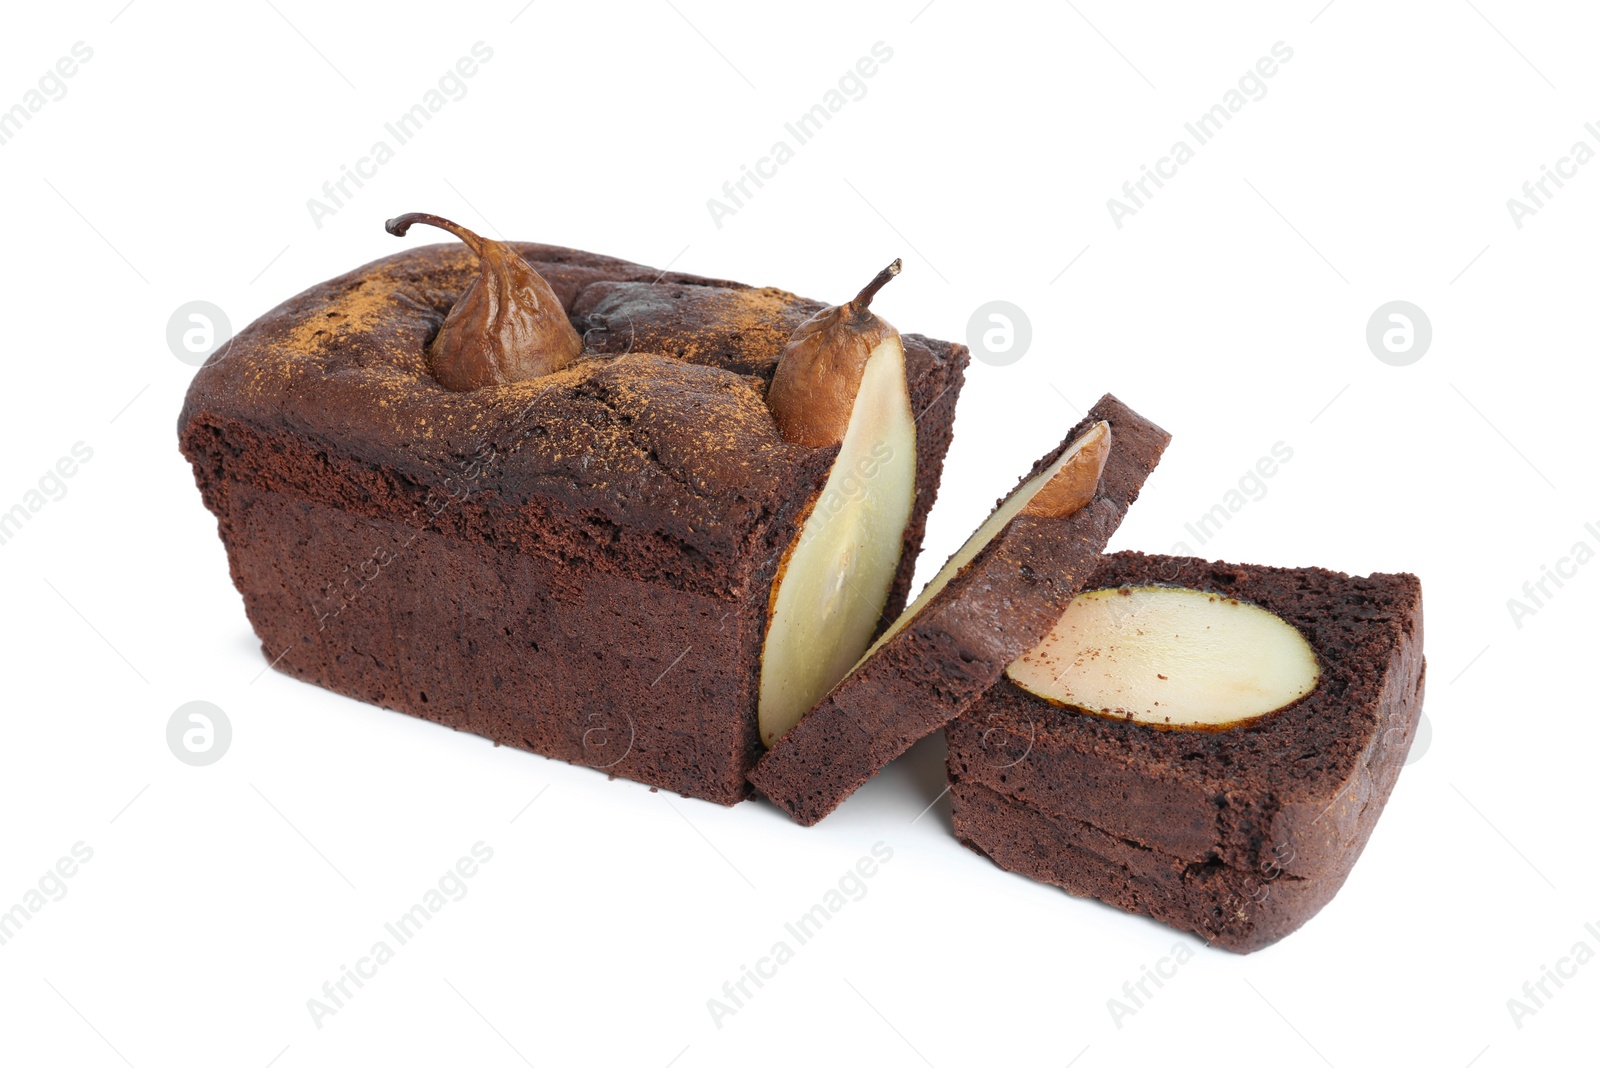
[
  {"x": 401, "y": 223},
  {"x": 864, "y": 298}
]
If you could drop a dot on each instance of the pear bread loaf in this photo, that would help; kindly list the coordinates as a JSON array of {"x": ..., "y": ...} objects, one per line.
[{"x": 573, "y": 556}]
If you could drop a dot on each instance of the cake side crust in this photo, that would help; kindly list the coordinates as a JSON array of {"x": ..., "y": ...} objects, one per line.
[{"x": 1230, "y": 908}]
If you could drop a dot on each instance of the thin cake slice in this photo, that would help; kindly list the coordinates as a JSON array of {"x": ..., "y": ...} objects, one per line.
[{"x": 993, "y": 600}]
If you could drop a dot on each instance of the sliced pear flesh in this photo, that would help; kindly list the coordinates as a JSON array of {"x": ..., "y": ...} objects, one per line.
[
  {"x": 1060, "y": 489},
  {"x": 1169, "y": 657},
  {"x": 831, "y": 589}
]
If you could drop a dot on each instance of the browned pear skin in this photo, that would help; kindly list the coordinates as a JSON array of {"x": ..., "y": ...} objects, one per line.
[
  {"x": 819, "y": 371},
  {"x": 507, "y": 327},
  {"x": 1075, "y": 484}
]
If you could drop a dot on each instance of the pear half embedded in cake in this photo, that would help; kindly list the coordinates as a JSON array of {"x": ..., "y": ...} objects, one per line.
[
  {"x": 507, "y": 327},
  {"x": 1171, "y": 657},
  {"x": 840, "y": 381}
]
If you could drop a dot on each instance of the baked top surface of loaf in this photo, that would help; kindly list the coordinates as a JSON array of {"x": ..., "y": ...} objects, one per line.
[{"x": 665, "y": 424}]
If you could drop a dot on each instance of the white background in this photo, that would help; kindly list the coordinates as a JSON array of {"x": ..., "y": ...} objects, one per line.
[{"x": 1232, "y": 309}]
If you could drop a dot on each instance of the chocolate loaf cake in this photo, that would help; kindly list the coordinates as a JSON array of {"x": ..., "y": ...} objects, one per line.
[
  {"x": 1238, "y": 834},
  {"x": 578, "y": 564},
  {"x": 997, "y": 597}
]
